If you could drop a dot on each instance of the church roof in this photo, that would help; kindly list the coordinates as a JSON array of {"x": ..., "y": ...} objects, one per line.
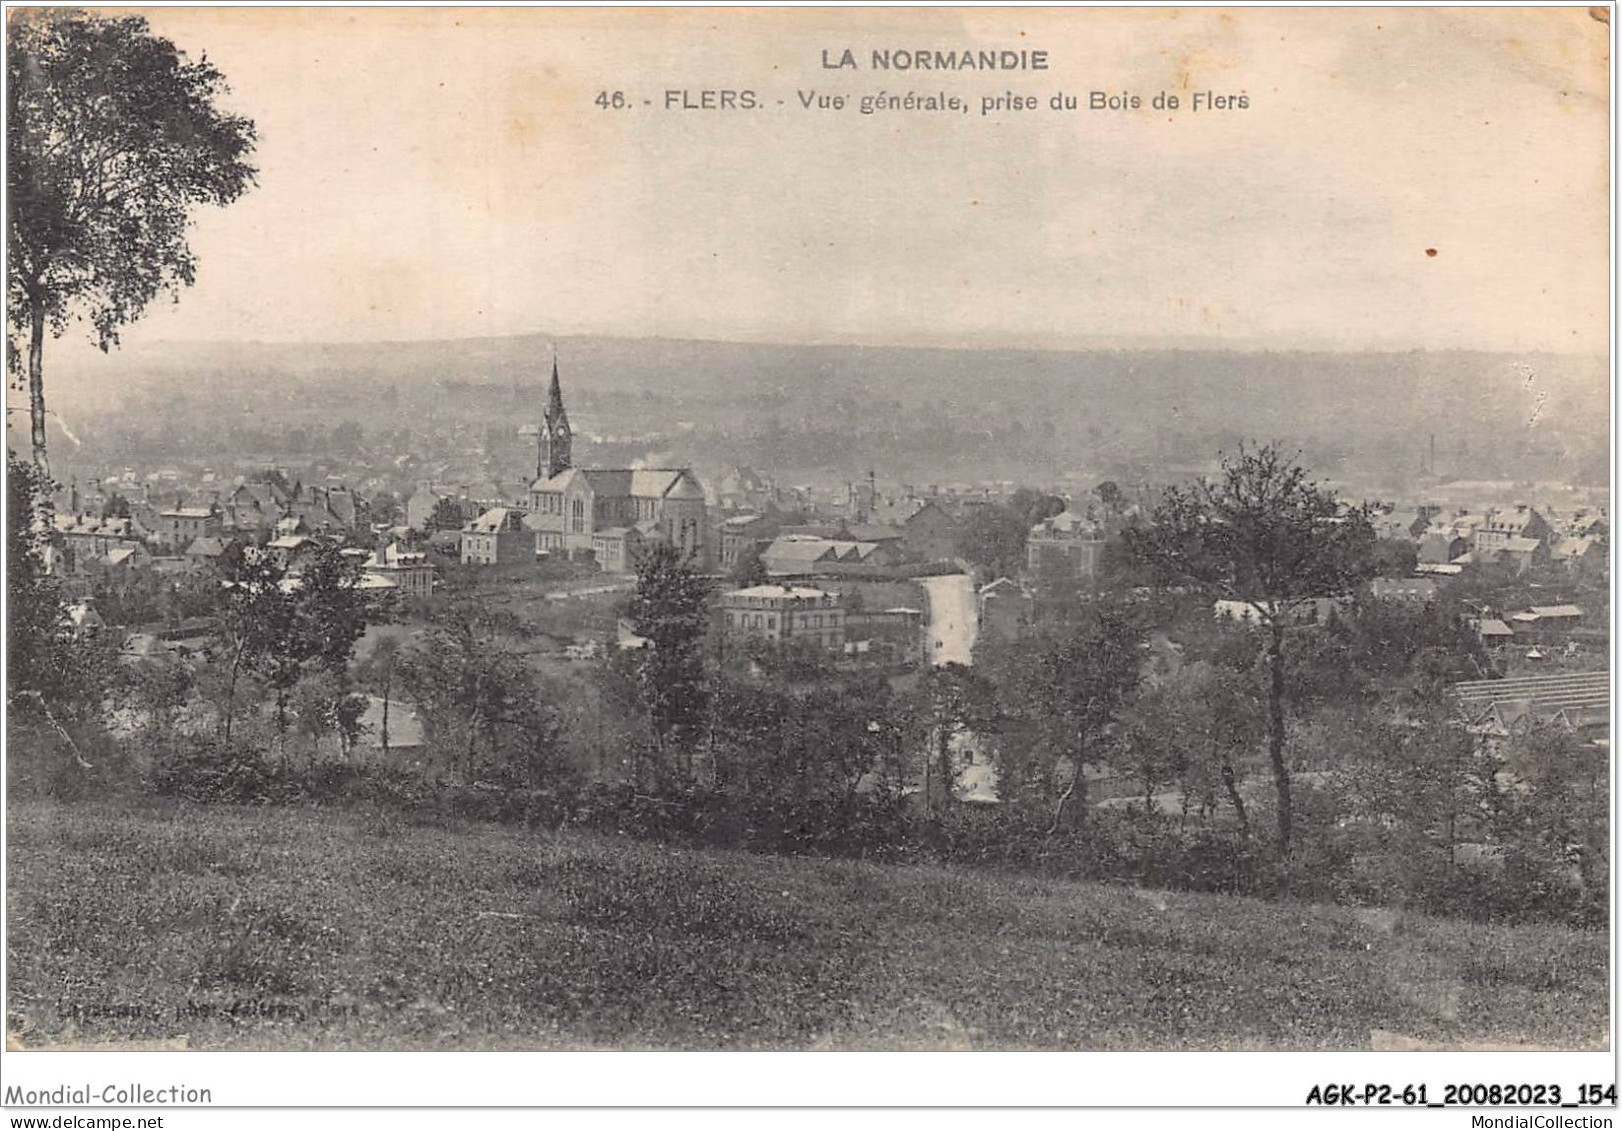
[{"x": 640, "y": 483}]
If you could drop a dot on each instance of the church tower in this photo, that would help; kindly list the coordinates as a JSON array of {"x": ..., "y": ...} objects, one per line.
[{"x": 553, "y": 440}]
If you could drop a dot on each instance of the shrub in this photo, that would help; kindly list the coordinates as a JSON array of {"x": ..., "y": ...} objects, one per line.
[{"x": 208, "y": 769}]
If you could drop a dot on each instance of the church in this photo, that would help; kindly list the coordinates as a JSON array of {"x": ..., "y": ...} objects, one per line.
[{"x": 613, "y": 512}]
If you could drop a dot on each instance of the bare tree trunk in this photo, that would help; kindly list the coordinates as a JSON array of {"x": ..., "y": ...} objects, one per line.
[
  {"x": 231, "y": 689},
  {"x": 36, "y": 383},
  {"x": 281, "y": 724},
  {"x": 928, "y": 760},
  {"x": 1232, "y": 785},
  {"x": 1275, "y": 735},
  {"x": 1058, "y": 807},
  {"x": 473, "y": 726},
  {"x": 1078, "y": 785}
]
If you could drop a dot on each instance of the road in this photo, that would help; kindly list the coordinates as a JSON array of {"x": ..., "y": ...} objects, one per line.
[
  {"x": 954, "y": 618},
  {"x": 954, "y": 623}
]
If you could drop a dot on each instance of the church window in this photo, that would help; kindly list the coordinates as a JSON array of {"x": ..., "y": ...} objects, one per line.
[{"x": 579, "y": 516}]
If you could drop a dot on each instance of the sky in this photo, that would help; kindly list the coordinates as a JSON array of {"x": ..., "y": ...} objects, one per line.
[{"x": 441, "y": 173}]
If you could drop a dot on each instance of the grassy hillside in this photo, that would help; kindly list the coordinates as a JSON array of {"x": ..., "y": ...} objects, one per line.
[{"x": 321, "y": 929}]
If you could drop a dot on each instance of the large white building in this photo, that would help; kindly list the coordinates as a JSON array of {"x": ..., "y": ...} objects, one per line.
[{"x": 779, "y": 612}]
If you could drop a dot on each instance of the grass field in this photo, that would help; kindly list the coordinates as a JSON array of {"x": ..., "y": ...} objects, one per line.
[{"x": 282, "y": 929}]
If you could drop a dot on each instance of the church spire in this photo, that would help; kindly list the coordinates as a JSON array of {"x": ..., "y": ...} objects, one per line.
[
  {"x": 554, "y": 439},
  {"x": 554, "y": 397}
]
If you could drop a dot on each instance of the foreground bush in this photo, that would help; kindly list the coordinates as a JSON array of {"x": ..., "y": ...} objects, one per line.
[{"x": 1334, "y": 862}]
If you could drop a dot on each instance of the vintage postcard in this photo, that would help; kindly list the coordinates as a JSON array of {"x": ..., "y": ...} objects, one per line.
[{"x": 570, "y": 530}]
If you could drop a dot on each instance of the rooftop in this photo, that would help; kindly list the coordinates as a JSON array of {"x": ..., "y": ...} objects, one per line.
[{"x": 780, "y": 592}]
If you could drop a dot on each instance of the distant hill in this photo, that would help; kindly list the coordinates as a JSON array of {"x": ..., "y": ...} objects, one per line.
[{"x": 1491, "y": 415}]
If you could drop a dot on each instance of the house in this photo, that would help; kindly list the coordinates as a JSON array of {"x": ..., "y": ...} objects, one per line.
[
  {"x": 1441, "y": 547},
  {"x": 87, "y": 540},
  {"x": 743, "y": 489},
  {"x": 1494, "y": 633},
  {"x": 204, "y": 554},
  {"x": 794, "y": 555},
  {"x": 1547, "y": 617},
  {"x": 1520, "y": 553},
  {"x": 409, "y": 571},
  {"x": 291, "y": 549},
  {"x": 781, "y": 613},
  {"x": 929, "y": 533},
  {"x": 179, "y": 526},
  {"x": 253, "y": 508},
  {"x": 740, "y": 531},
  {"x": 618, "y": 548},
  {"x": 333, "y": 511},
  {"x": 123, "y": 557},
  {"x": 1583, "y": 555},
  {"x": 1065, "y": 548},
  {"x": 1399, "y": 526},
  {"x": 497, "y": 537},
  {"x": 1494, "y": 533}
]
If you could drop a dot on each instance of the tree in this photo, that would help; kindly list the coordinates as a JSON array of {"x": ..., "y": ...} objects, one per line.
[
  {"x": 282, "y": 628},
  {"x": 112, "y": 137},
  {"x": 446, "y": 515},
  {"x": 1395, "y": 558},
  {"x": 1202, "y": 716},
  {"x": 481, "y": 704},
  {"x": 1263, "y": 534},
  {"x": 1564, "y": 813},
  {"x": 1109, "y": 493},
  {"x": 347, "y": 436},
  {"x": 670, "y": 609},
  {"x": 386, "y": 509},
  {"x": 1065, "y": 689},
  {"x": 377, "y": 674},
  {"x": 992, "y": 540},
  {"x": 35, "y": 611},
  {"x": 1035, "y": 506},
  {"x": 749, "y": 569},
  {"x": 950, "y": 702}
]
